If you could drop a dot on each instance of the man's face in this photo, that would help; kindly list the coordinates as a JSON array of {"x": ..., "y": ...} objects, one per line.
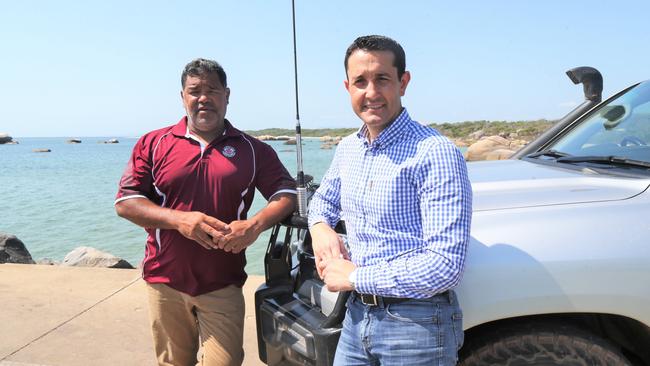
[
  {"x": 205, "y": 101},
  {"x": 375, "y": 90}
]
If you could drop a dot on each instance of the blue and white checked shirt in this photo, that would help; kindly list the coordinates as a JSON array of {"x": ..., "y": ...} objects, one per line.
[{"x": 407, "y": 204}]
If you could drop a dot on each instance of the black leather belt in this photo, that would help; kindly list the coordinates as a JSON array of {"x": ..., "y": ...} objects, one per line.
[{"x": 374, "y": 300}]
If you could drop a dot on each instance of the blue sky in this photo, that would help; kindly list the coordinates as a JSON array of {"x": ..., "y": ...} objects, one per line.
[{"x": 112, "y": 68}]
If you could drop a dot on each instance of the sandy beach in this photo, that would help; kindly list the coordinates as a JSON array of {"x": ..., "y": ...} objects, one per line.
[{"x": 75, "y": 316}]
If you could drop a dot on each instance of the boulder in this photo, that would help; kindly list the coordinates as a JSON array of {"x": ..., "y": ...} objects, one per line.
[
  {"x": 518, "y": 144},
  {"x": 290, "y": 142},
  {"x": 476, "y": 135},
  {"x": 91, "y": 257},
  {"x": 48, "y": 262},
  {"x": 73, "y": 141},
  {"x": 459, "y": 142},
  {"x": 112, "y": 141},
  {"x": 499, "y": 154},
  {"x": 480, "y": 149},
  {"x": 12, "y": 250},
  {"x": 41, "y": 150},
  {"x": 5, "y": 138}
]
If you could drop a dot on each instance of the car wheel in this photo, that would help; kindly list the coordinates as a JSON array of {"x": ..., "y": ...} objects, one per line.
[{"x": 540, "y": 344}]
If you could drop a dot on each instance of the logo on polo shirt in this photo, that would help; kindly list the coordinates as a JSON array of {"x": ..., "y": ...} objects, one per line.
[{"x": 228, "y": 151}]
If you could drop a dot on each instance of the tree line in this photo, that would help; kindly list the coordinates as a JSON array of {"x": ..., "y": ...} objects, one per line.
[{"x": 523, "y": 129}]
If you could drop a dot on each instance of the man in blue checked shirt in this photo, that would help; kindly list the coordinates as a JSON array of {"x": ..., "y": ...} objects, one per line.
[{"x": 403, "y": 191}]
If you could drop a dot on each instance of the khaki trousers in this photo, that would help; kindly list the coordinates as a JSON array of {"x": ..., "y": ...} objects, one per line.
[{"x": 180, "y": 321}]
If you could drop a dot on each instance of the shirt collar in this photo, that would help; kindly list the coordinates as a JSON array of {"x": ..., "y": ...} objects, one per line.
[
  {"x": 390, "y": 134},
  {"x": 181, "y": 129}
]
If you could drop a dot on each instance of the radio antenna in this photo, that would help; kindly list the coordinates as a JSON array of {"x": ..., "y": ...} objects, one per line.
[{"x": 302, "y": 191}]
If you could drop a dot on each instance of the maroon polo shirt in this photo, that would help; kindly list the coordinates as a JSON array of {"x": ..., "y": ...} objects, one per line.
[{"x": 173, "y": 170}]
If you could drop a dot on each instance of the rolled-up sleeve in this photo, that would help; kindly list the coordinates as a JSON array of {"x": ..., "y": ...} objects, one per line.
[{"x": 325, "y": 205}]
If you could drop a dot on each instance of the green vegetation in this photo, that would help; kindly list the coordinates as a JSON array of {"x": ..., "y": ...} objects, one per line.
[
  {"x": 455, "y": 130},
  {"x": 306, "y": 132},
  {"x": 522, "y": 129}
]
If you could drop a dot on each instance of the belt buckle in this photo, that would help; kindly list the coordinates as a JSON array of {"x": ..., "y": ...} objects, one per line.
[{"x": 371, "y": 300}]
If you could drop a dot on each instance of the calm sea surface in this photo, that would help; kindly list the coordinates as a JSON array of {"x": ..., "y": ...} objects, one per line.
[{"x": 57, "y": 201}]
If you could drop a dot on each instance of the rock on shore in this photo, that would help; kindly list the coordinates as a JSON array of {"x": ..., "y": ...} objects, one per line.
[
  {"x": 6, "y": 139},
  {"x": 12, "y": 250},
  {"x": 493, "y": 148},
  {"x": 266, "y": 138},
  {"x": 273, "y": 138},
  {"x": 91, "y": 257}
]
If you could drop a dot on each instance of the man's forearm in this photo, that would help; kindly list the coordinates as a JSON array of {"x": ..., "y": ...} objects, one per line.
[
  {"x": 280, "y": 206},
  {"x": 422, "y": 274},
  {"x": 323, "y": 210},
  {"x": 206, "y": 230},
  {"x": 147, "y": 214}
]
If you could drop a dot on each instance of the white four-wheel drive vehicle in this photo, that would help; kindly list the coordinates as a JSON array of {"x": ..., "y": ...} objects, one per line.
[{"x": 558, "y": 271}]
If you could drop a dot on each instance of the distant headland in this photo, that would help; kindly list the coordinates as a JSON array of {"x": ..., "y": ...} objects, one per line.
[
  {"x": 483, "y": 140},
  {"x": 454, "y": 130}
]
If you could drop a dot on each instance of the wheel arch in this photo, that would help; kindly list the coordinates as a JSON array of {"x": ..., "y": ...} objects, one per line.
[{"x": 629, "y": 334}]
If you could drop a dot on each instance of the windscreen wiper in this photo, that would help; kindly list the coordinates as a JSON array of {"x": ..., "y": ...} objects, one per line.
[
  {"x": 552, "y": 153},
  {"x": 611, "y": 159}
]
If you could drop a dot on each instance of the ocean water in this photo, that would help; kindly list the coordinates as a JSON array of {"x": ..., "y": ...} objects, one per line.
[{"x": 57, "y": 201}]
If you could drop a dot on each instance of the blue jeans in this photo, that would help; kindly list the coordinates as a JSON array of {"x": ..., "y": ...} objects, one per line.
[{"x": 414, "y": 332}]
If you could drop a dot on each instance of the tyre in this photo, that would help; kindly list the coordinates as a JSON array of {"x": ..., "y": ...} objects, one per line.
[{"x": 540, "y": 344}]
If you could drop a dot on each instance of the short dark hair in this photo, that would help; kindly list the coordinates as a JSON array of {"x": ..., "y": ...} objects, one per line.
[
  {"x": 203, "y": 67},
  {"x": 379, "y": 43}
]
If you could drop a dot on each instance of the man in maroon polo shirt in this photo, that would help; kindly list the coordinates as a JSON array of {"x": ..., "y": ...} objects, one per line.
[{"x": 190, "y": 186}]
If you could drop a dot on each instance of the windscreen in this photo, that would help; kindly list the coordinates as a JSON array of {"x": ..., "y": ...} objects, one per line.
[{"x": 618, "y": 128}]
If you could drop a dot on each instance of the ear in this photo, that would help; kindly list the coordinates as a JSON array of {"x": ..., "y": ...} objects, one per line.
[
  {"x": 227, "y": 95},
  {"x": 181, "y": 95},
  {"x": 404, "y": 82},
  {"x": 346, "y": 83}
]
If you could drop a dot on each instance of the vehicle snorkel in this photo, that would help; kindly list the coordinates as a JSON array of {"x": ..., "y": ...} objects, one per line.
[{"x": 592, "y": 83}]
